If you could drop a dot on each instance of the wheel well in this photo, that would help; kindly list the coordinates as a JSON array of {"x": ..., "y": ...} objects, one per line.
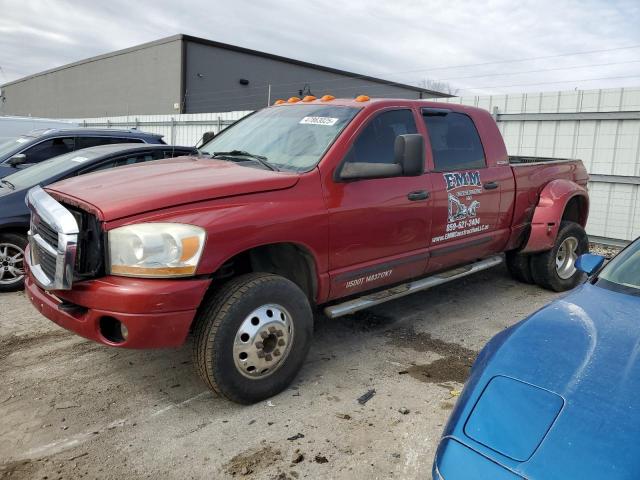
[
  {"x": 16, "y": 230},
  {"x": 576, "y": 210},
  {"x": 289, "y": 260}
]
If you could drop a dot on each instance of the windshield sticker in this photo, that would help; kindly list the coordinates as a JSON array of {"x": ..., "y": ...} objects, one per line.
[
  {"x": 327, "y": 121},
  {"x": 79, "y": 159},
  {"x": 22, "y": 140},
  {"x": 462, "y": 212}
]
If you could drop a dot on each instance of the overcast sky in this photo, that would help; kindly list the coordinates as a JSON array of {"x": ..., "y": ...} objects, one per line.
[{"x": 402, "y": 40}]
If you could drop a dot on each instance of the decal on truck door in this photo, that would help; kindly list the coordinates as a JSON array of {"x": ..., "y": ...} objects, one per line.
[
  {"x": 460, "y": 211},
  {"x": 462, "y": 216},
  {"x": 356, "y": 282}
]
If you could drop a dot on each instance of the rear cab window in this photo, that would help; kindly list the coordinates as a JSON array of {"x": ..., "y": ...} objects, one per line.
[{"x": 455, "y": 142}]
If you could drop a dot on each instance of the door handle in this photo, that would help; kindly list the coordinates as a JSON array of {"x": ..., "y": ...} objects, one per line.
[
  {"x": 490, "y": 185},
  {"x": 418, "y": 195}
]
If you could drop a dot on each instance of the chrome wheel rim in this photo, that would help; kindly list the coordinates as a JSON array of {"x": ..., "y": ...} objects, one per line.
[
  {"x": 11, "y": 263},
  {"x": 263, "y": 341},
  {"x": 566, "y": 257}
]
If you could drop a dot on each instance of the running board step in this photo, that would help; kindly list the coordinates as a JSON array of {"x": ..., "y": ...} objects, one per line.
[{"x": 399, "y": 291}]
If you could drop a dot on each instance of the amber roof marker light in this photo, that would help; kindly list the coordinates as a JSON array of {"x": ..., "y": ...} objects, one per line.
[
  {"x": 279, "y": 102},
  {"x": 327, "y": 98},
  {"x": 309, "y": 98},
  {"x": 362, "y": 98},
  {"x": 293, "y": 100}
]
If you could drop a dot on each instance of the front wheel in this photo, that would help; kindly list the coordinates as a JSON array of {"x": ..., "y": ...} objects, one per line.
[
  {"x": 556, "y": 269},
  {"x": 12, "y": 247},
  {"x": 252, "y": 336}
]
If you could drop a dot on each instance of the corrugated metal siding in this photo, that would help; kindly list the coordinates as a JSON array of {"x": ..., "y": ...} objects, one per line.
[{"x": 607, "y": 146}]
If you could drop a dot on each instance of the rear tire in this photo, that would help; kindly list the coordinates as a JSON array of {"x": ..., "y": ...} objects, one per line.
[
  {"x": 555, "y": 270},
  {"x": 12, "y": 247},
  {"x": 519, "y": 266},
  {"x": 252, "y": 337}
]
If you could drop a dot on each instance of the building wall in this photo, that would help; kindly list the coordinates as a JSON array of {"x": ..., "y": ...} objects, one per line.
[
  {"x": 179, "y": 74},
  {"x": 142, "y": 80},
  {"x": 213, "y": 75}
]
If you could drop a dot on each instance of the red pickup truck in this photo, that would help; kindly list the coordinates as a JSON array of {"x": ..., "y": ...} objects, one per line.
[{"x": 315, "y": 202}]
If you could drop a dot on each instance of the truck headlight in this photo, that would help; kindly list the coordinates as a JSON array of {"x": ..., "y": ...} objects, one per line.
[{"x": 155, "y": 250}]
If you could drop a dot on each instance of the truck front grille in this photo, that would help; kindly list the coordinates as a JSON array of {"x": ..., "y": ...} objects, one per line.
[
  {"x": 47, "y": 233},
  {"x": 90, "y": 248},
  {"x": 53, "y": 238},
  {"x": 46, "y": 260}
]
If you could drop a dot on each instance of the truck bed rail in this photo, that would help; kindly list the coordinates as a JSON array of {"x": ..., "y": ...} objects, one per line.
[{"x": 519, "y": 160}]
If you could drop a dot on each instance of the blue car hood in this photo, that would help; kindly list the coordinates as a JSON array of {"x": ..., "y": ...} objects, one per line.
[{"x": 585, "y": 348}]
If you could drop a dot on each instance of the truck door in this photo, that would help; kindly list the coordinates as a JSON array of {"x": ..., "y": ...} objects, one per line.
[
  {"x": 466, "y": 191},
  {"x": 378, "y": 228}
]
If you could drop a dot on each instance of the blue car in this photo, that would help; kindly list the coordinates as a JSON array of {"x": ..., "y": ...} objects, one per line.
[
  {"x": 556, "y": 396},
  {"x": 39, "y": 145}
]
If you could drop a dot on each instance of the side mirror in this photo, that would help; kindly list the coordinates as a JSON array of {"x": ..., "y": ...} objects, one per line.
[
  {"x": 207, "y": 137},
  {"x": 409, "y": 152},
  {"x": 357, "y": 170},
  {"x": 17, "y": 159},
  {"x": 589, "y": 263}
]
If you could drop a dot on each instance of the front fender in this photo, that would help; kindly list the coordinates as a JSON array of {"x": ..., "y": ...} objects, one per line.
[
  {"x": 17, "y": 223},
  {"x": 549, "y": 212},
  {"x": 6, "y": 170}
]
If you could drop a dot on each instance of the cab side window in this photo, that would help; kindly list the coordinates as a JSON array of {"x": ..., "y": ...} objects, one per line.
[
  {"x": 170, "y": 153},
  {"x": 376, "y": 143},
  {"x": 135, "y": 158},
  {"x": 86, "y": 142},
  {"x": 455, "y": 142},
  {"x": 139, "y": 158},
  {"x": 49, "y": 149}
]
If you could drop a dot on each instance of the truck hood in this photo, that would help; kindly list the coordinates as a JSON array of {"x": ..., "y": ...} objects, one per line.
[{"x": 131, "y": 190}]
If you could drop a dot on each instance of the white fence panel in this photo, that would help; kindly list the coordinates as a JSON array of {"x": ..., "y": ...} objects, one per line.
[{"x": 185, "y": 129}]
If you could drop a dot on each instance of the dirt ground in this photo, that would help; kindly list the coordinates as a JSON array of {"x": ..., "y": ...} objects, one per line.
[{"x": 71, "y": 409}]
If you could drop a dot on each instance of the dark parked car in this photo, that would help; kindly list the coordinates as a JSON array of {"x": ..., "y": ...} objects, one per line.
[
  {"x": 556, "y": 395},
  {"x": 40, "y": 145},
  {"x": 14, "y": 214}
]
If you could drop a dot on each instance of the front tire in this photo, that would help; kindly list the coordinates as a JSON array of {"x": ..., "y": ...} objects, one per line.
[
  {"x": 555, "y": 269},
  {"x": 12, "y": 247},
  {"x": 252, "y": 336}
]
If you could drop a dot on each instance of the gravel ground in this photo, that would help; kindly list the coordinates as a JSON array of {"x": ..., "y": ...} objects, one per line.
[
  {"x": 70, "y": 408},
  {"x": 604, "y": 250}
]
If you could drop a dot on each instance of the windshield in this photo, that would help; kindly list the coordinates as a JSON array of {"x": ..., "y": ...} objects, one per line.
[
  {"x": 624, "y": 269},
  {"x": 44, "y": 171},
  {"x": 9, "y": 145},
  {"x": 289, "y": 137}
]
